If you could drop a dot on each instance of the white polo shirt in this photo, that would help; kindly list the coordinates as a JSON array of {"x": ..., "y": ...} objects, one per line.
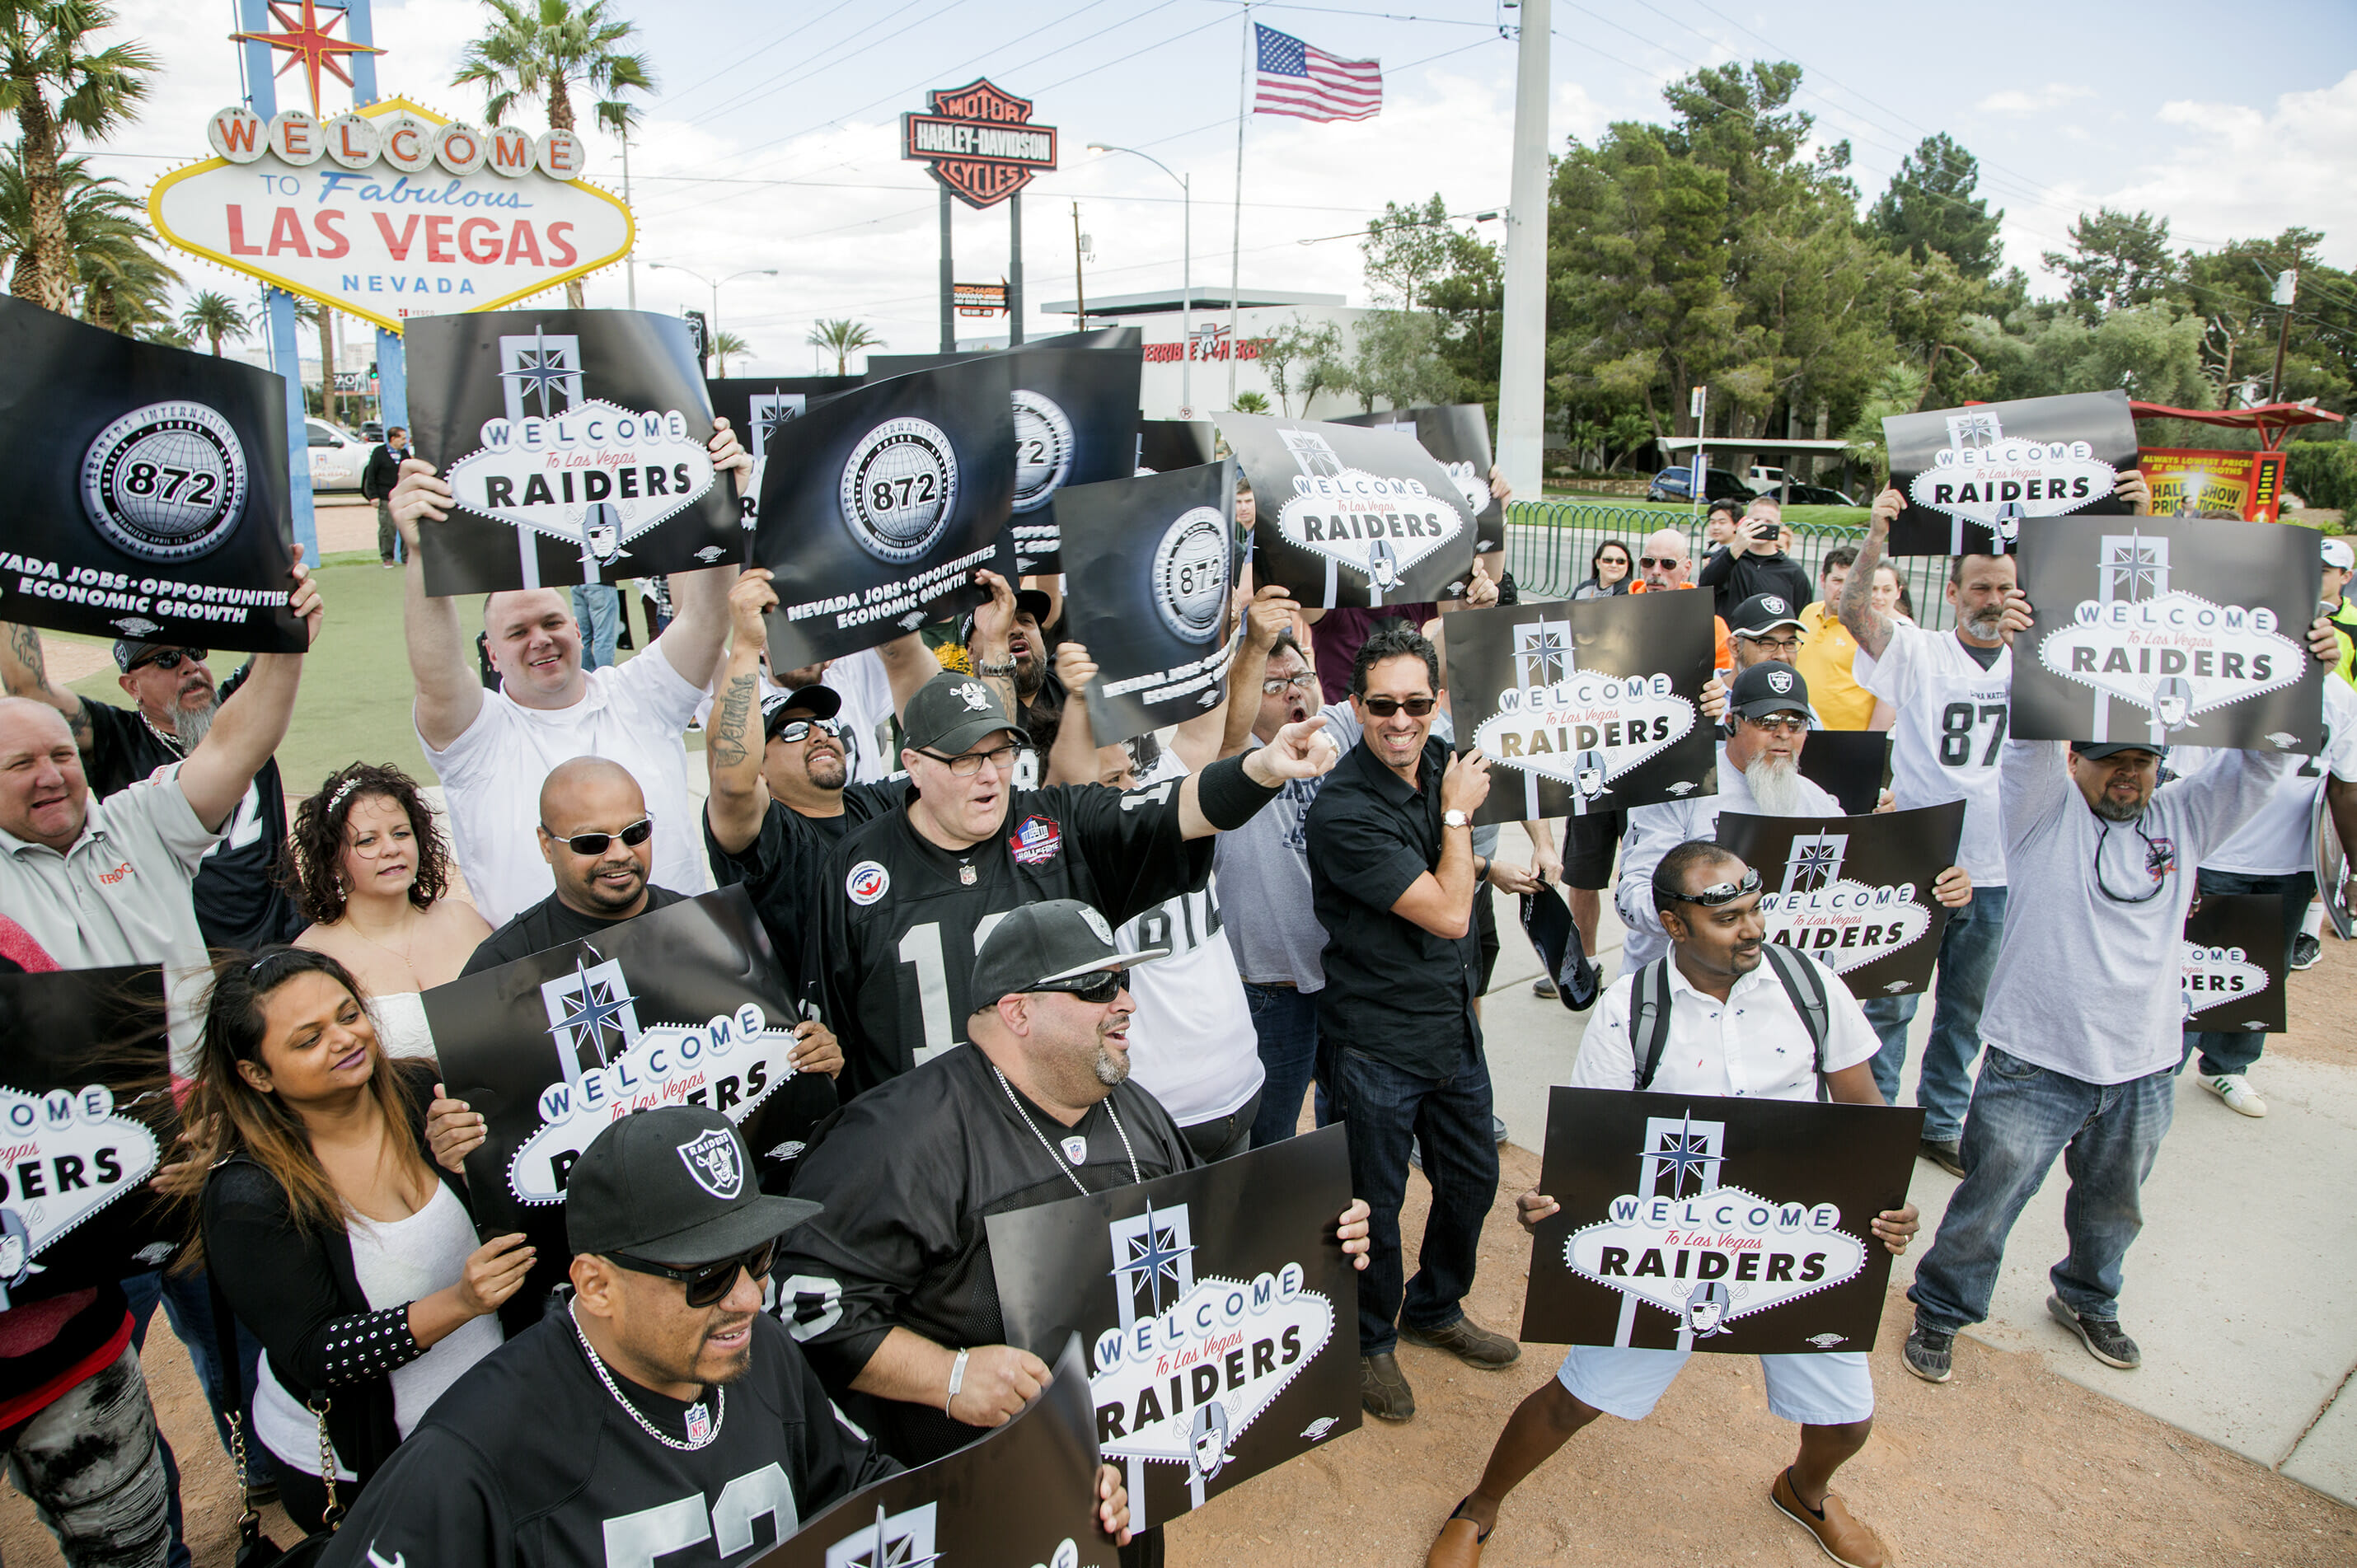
[
  {"x": 1753, "y": 1044},
  {"x": 119, "y": 894}
]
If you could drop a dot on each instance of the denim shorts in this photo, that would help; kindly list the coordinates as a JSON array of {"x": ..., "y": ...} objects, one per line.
[{"x": 1831, "y": 1389}]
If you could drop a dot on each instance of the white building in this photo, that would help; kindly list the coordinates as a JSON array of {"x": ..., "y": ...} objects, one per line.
[{"x": 1164, "y": 390}]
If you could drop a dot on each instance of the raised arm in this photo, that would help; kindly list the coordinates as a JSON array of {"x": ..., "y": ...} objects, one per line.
[
  {"x": 732, "y": 752},
  {"x": 1869, "y": 626},
  {"x": 23, "y": 673},
  {"x": 250, "y": 725},
  {"x": 993, "y": 628},
  {"x": 450, "y": 692},
  {"x": 907, "y": 664},
  {"x": 1298, "y": 751},
  {"x": 1073, "y": 758},
  {"x": 692, "y": 642},
  {"x": 1268, "y": 612}
]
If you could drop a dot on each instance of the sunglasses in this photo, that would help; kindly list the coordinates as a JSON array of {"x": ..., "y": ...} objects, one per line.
[
  {"x": 966, "y": 765},
  {"x": 798, "y": 729},
  {"x": 634, "y": 835},
  {"x": 1664, "y": 561},
  {"x": 1780, "y": 724},
  {"x": 1717, "y": 892},
  {"x": 1385, "y": 707},
  {"x": 1097, "y": 987},
  {"x": 172, "y": 659},
  {"x": 708, "y": 1285}
]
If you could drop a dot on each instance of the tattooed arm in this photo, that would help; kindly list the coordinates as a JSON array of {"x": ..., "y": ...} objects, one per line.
[
  {"x": 732, "y": 750},
  {"x": 1869, "y": 626},
  {"x": 26, "y": 674}
]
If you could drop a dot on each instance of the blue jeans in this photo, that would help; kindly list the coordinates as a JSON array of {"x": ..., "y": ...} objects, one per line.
[
  {"x": 598, "y": 607},
  {"x": 2238, "y": 1051},
  {"x": 2022, "y": 1116},
  {"x": 1967, "y": 954},
  {"x": 188, "y": 1303},
  {"x": 1385, "y": 1106},
  {"x": 1285, "y": 1020}
]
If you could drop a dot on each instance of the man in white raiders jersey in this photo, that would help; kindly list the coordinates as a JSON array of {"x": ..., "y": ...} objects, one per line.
[
  {"x": 907, "y": 898},
  {"x": 664, "y": 1417},
  {"x": 890, "y": 1290}
]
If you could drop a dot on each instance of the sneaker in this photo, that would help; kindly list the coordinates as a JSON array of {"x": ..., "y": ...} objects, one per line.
[
  {"x": 1930, "y": 1355},
  {"x": 1945, "y": 1153},
  {"x": 1839, "y": 1536},
  {"x": 1543, "y": 986},
  {"x": 1497, "y": 1129},
  {"x": 2101, "y": 1336},
  {"x": 1382, "y": 1388},
  {"x": 1469, "y": 1342},
  {"x": 2305, "y": 950},
  {"x": 2236, "y": 1091}
]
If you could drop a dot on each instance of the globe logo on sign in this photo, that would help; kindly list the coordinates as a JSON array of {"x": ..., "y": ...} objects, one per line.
[
  {"x": 166, "y": 482},
  {"x": 1190, "y": 574},
  {"x": 1043, "y": 449},
  {"x": 900, "y": 486}
]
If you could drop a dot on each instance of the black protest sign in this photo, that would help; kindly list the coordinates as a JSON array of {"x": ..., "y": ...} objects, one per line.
[
  {"x": 1150, "y": 562},
  {"x": 2170, "y": 630},
  {"x": 682, "y": 1005},
  {"x": 1348, "y": 516},
  {"x": 758, "y": 407},
  {"x": 1850, "y": 765},
  {"x": 1854, "y": 893},
  {"x": 1971, "y": 475},
  {"x": 573, "y": 442},
  {"x": 878, "y": 506},
  {"x": 86, "y": 1116},
  {"x": 1220, "y": 1312},
  {"x": 1022, "y": 1497},
  {"x": 1166, "y": 444},
  {"x": 1457, "y": 436},
  {"x": 1691, "y": 1222},
  {"x": 1592, "y": 706},
  {"x": 1547, "y": 921},
  {"x": 149, "y": 489},
  {"x": 2233, "y": 975}
]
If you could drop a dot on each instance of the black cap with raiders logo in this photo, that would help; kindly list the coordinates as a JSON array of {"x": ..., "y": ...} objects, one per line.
[
  {"x": 952, "y": 713},
  {"x": 674, "y": 1186},
  {"x": 2096, "y": 750},
  {"x": 1053, "y": 940},
  {"x": 813, "y": 702},
  {"x": 1769, "y": 687},
  {"x": 1762, "y": 614}
]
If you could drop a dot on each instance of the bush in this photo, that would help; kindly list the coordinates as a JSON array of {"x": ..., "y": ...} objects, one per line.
[{"x": 2322, "y": 473}]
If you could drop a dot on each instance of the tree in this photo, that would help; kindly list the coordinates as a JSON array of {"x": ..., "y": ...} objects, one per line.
[
  {"x": 1930, "y": 207},
  {"x": 2232, "y": 290},
  {"x": 214, "y": 317},
  {"x": 2116, "y": 260},
  {"x": 1470, "y": 298},
  {"x": 843, "y": 337},
  {"x": 1317, "y": 350},
  {"x": 324, "y": 318},
  {"x": 1397, "y": 360},
  {"x": 540, "y": 51},
  {"x": 123, "y": 284},
  {"x": 1405, "y": 249},
  {"x": 1251, "y": 403},
  {"x": 724, "y": 344},
  {"x": 57, "y": 85}
]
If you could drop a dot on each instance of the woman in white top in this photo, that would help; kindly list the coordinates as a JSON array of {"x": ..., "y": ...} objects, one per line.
[{"x": 372, "y": 870}]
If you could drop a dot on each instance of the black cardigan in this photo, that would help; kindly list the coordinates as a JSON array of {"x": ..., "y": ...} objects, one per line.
[{"x": 297, "y": 1290}]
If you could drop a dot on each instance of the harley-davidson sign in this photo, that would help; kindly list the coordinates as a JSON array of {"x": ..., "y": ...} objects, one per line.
[{"x": 979, "y": 142}]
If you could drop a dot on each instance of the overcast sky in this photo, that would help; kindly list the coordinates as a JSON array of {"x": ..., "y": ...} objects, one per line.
[{"x": 774, "y": 141}]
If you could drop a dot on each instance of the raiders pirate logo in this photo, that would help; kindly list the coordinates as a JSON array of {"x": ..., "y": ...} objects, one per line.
[
  {"x": 166, "y": 482},
  {"x": 1096, "y": 924},
  {"x": 1190, "y": 574},
  {"x": 1772, "y": 604},
  {"x": 1043, "y": 449},
  {"x": 713, "y": 1160},
  {"x": 898, "y": 489},
  {"x": 1779, "y": 681}
]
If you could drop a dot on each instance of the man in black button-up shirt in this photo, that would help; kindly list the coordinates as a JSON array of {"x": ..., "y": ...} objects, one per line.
[{"x": 1392, "y": 875}]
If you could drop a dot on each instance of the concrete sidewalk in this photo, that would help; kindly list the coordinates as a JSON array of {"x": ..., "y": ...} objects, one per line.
[{"x": 2233, "y": 1292}]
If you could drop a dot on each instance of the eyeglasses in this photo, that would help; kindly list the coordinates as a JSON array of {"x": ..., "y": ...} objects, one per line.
[
  {"x": 1782, "y": 724},
  {"x": 171, "y": 658},
  {"x": 637, "y": 834},
  {"x": 1385, "y": 707},
  {"x": 1664, "y": 561},
  {"x": 707, "y": 1283},
  {"x": 1097, "y": 987},
  {"x": 1717, "y": 892},
  {"x": 966, "y": 765},
  {"x": 1274, "y": 687},
  {"x": 1783, "y": 644},
  {"x": 798, "y": 729}
]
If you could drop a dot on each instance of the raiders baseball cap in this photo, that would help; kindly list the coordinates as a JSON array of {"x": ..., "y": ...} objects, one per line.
[
  {"x": 1762, "y": 614},
  {"x": 129, "y": 655},
  {"x": 815, "y": 701},
  {"x": 1053, "y": 940},
  {"x": 2336, "y": 553},
  {"x": 951, "y": 711},
  {"x": 1769, "y": 687},
  {"x": 1033, "y": 602},
  {"x": 2095, "y": 751},
  {"x": 674, "y": 1186}
]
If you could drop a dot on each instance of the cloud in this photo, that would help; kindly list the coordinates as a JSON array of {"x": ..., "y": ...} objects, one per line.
[
  {"x": 2237, "y": 172},
  {"x": 2016, "y": 101}
]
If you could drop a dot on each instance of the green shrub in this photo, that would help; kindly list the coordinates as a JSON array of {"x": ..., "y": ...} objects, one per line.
[{"x": 2322, "y": 473}]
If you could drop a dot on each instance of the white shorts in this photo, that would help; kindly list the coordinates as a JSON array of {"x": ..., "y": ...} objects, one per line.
[{"x": 1831, "y": 1389}]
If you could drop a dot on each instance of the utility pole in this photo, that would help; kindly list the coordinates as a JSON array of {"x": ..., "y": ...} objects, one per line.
[
  {"x": 1080, "y": 295},
  {"x": 629, "y": 263},
  {"x": 2286, "y": 290},
  {"x": 1522, "y": 362}
]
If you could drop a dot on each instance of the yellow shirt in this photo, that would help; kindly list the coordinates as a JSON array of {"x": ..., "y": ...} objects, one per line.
[{"x": 1823, "y": 662}]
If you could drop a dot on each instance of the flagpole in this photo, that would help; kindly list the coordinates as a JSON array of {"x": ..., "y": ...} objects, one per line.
[{"x": 1236, "y": 227}]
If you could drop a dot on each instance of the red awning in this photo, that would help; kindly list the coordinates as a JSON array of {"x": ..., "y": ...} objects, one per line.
[{"x": 2269, "y": 419}]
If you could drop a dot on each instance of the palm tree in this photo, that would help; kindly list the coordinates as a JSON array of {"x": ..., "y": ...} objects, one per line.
[
  {"x": 325, "y": 320},
  {"x": 125, "y": 283},
  {"x": 214, "y": 317},
  {"x": 540, "y": 51},
  {"x": 57, "y": 85},
  {"x": 724, "y": 344},
  {"x": 843, "y": 337}
]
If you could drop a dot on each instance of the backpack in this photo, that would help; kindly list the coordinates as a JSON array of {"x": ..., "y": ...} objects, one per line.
[{"x": 1649, "y": 1013}]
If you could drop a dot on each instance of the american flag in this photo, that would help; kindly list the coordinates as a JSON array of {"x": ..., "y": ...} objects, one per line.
[{"x": 1312, "y": 84}]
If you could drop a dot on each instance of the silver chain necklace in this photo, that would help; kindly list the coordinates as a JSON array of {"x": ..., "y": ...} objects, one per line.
[
  {"x": 1064, "y": 1166},
  {"x": 719, "y": 1398}
]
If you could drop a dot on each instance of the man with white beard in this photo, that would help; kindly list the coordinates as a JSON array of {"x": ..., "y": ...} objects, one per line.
[{"x": 1759, "y": 773}]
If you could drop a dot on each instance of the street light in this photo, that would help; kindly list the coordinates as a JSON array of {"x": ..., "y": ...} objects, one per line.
[
  {"x": 714, "y": 287},
  {"x": 1186, "y": 275}
]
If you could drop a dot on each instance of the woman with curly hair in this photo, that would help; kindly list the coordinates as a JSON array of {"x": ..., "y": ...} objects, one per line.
[{"x": 371, "y": 868}]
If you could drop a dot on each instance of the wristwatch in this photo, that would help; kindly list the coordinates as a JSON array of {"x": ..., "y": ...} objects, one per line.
[{"x": 1454, "y": 819}]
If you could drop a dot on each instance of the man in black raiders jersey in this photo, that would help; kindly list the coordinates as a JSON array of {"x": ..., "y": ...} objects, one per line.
[
  {"x": 663, "y": 1417},
  {"x": 907, "y": 899},
  {"x": 241, "y": 899},
  {"x": 890, "y": 1291}
]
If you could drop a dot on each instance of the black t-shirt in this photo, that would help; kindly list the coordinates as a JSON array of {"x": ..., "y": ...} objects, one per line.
[
  {"x": 240, "y": 901},
  {"x": 1734, "y": 578},
  {"x": 528, "y": 1462},
  {"x": 900, "y": 923},
  {"x": 548, "y": 924},
  {"x": 907, "y": 1175},
  {"x": 780, "y": 868}
]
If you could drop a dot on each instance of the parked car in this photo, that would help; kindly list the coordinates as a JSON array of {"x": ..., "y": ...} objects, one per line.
[
  {"x": 372, "y": 431},
  {"x": 1677, "y": 485},
  {"x": 1821, "y": 495},
  {"x": 338, "y": 455}
]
